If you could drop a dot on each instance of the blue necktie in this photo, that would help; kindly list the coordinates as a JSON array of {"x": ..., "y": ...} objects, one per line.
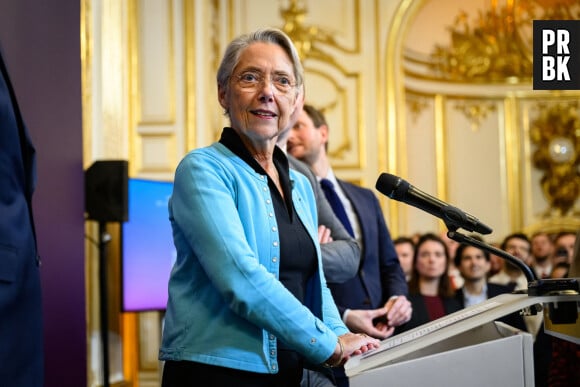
[{"x": 336, "y": 204}]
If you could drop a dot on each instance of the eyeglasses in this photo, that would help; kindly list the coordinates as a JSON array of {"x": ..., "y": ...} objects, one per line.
[{"x": 252, "y": 80}]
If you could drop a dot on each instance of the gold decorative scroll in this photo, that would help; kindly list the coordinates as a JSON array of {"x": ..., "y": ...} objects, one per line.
[
  {"x": 556, "y": 134},
  {"x": 497, "y": 45}
]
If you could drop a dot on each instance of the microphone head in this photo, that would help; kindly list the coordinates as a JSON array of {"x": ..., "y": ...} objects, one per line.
[{"x": 392, "y": 186}]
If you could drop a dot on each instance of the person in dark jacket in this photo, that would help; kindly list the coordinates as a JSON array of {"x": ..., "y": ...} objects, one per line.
[
  {"x": 374, "y": 301},
  {"x": 21, "y": 343},
  {"x": 430, "y": 290},
  {"x": 474, "y": 265}
]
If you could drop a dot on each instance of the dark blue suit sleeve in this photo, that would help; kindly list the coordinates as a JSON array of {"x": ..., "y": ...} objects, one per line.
[{"x": 392, "y": 276}]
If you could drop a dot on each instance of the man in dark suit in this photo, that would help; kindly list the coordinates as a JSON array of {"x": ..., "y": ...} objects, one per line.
[
  {"x": 474, "y": 264},
  {"x": 21, "y": 347},
  {"x": 374, "y": 302}
]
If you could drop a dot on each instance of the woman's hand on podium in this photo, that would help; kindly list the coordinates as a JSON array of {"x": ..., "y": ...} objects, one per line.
[{"x": 351, "y": 344}]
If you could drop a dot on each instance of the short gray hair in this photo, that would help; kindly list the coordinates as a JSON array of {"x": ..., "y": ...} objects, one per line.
[{"x": 266, "y": 35}]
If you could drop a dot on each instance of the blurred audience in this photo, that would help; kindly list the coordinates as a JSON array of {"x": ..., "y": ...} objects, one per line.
[
  {"x": 560, "y": 270},
  {"x": 564, "y": 242},
  {"x": 542, "y": 251},
  {"x": 405, "y": 248},
  {"x": 430, "y": 290},
  {"x": 496, "y": 262},
  {"x": 556, "y": 361},
  {"x": 474, "y": 264},
  {"x": 519, "y": 246},
  {"x": 454, "y": 275}
]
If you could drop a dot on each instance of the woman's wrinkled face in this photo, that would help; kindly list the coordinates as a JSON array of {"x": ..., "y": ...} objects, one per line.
[{"x": 261, "y": 93}]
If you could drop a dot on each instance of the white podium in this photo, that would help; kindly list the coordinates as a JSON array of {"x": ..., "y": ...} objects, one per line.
[{"x": 466, "y": 348}]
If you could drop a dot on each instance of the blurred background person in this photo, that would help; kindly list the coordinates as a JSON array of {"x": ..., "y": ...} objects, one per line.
[
  {"x": 430, "y": 290},
  {"x": 453, "y": 272},
  {"x": 556, "y": 361},
  {"x": 496, "y": 262},
  {"x": 542, "y": 251},
  {"x": 405, "y": 248},
  {"x": 560, "y": 270},
  {"x": 517, "y": 245},
  {"x": 474, "y": 264},
  {"x": 564, "y": 241},
  {"x": 564, "y": 365}
]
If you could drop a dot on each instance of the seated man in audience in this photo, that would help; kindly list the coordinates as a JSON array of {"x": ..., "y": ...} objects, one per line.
[
  {"x": 542, "y": 250},
  {"x": 474, "y": 264},
  {"x": 564, "y": 242},
  {"x": 519, "y": 246}
]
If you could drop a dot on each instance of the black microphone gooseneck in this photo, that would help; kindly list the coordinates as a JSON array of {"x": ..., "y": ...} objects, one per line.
[
  {"x": 461, "y": 238},
  {"x": 398, "y": 189}
]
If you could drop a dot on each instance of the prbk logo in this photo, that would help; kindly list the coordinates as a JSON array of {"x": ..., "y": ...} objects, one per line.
[{"x": 556, "y": 54}]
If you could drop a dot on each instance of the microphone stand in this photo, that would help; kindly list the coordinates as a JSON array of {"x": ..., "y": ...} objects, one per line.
[
  {"x": 104, "y": 238},
  {"x": 461, "y": 238}
]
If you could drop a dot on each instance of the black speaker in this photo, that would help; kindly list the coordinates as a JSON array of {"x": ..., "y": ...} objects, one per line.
[{"x": 106, "y": 191}]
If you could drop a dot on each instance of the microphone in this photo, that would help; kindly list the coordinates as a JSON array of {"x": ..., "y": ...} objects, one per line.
[{"x": 399, "y": 189}]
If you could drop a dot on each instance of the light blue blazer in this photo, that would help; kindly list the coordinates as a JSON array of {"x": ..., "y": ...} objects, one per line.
[{"x": 226, "y": 305}]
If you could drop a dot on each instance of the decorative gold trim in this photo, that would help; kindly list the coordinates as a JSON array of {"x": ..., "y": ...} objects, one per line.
[
  {"x": 306, "y": 37},
  {"x": 513, "y": 164},
  {"x": 440, "y": 146},
  {"x": 338, "y": 151},
  {"x": 87, "y": 43},
  {"x": 382, "y": 145},
  {"x": 555, "y": 134},
  {"x": 475, "y": 111},
  {"x": 134, "y": 106},
  {"x": 416, "y": 104},
  {"x": 554, "y": 225},
  {"x": 190, "y": 132},
  {"x": 382, "y": 141},
  {"x": 394, "y": 97},
  {"x": 488, "y": 50},
  {"x": 215, "y": 24}
]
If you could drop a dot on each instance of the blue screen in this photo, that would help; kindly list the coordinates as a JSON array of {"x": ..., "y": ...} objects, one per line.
[{"x": 148, "y": 252}]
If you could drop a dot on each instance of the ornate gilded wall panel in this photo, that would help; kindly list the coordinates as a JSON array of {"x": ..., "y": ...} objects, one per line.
[
  {"x": 157, "y": 102},
  {"x": 420, "y": 156},
  {"x": 340, "y": 68},
  {"x": 475, "y": 164},
  {"x": 551, "y": 143}
]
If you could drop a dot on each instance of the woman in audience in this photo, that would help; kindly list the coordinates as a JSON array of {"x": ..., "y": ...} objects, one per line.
[{"x": 430, "y": 290}]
